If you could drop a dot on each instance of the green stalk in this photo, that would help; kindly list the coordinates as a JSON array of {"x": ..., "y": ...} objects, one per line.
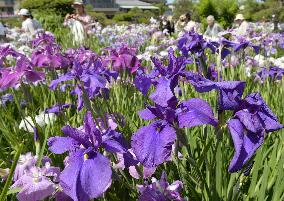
[{"x": 3, "y": 195}]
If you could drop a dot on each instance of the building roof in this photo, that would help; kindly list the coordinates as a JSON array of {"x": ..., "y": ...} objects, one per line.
[{"x": 135, "y": 3}]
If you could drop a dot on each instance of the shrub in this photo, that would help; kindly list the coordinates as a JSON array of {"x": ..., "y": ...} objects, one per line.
[
  {"x": 100, "y": 17},
  {"x": 60, "y": 7},
  {"x": 135, "y": 15},
  {"x": 11, "y": 21},
  {"x": 183, "y": 7},
  {"x": 224, "y": 11},
  {"x": 50, "y": 21}
]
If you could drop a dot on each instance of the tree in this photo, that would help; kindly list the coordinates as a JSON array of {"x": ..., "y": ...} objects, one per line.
[
  {"x": 256, "y": 11},
  {"x": 183, "y": 7},
  {"x": 223, "y": 11}
]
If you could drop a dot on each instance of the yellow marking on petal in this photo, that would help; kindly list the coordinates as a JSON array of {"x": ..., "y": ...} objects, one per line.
[{"x": 86, "y": 156}]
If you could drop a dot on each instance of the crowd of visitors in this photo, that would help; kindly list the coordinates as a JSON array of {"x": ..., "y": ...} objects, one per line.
[{"x": 81, "y": 25}]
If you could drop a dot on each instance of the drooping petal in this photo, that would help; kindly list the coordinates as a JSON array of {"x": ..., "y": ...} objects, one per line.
[
  {"x": 270, "y": 123},
  {"x": 196, "y": 112},
  {"x": 34, "y": 76},
  {"x": 70, "y": 175},
  {"x": 268, "y": 119},
  {"x": 59, "y": 145},
  {"x": 36, "y": 191},
  {"x": 9, "y": 80},
  {"x": 245, "y": 143},
  {"x": 142, "y": 83},
  {"x": 200, "y": 83},
  {"x": 152, "y": 144},
  {"x": 230, "y": 94},
  {"x": 95, "y": 176},
  {"x": 146, "y": 114},
  {"x": 113, "y": 146},
  {"x": 250, "y": 121},
  {"x": 230, "y": 91}
]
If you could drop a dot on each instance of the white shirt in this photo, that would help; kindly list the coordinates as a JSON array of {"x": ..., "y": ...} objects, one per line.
[
  {"x": 31, "y": 26},
  {"x": 192, "y": 26},
  {"x": 243, "y": 29}
]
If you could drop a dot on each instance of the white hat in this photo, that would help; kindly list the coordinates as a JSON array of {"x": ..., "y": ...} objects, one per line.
[
  {"x": 210, "y": 18},
  {"x": 24, "y": 12},
  {"x": 239, "y": 17},
  {"x": 78, "y": 2}
]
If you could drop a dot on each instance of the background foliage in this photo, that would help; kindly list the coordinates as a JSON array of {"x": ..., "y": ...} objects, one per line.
[
  {"x": 263, "y": 11},
  {"x": 224, "y": 11}
]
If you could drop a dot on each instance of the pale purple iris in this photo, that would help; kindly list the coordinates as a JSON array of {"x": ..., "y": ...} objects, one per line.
[
  {"x": 35, "y": 183},
  {"x": 153, "y": 144},
  {"x": 25, "y": 162},
  {"x": 161, "y": 190},
  {"x": 87, "y": 173},
  {"x": 248, "y": 127},
  {"x": 6, "y": 99}
]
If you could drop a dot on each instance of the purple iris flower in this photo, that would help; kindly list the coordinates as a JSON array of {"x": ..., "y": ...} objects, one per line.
[
  {"x": 6, "y": 98},
  {"x": 152, "y": 144},
  {"x": 87, "y": 173},
  {"x": 22, "y": 71},
  {"x": 273, "y": 72},
  {"x": 90, "y": 77},
  {"x": 6, "y": 51},
  {"x": 248, "y": 127},
  {"x": 161, "y": 190},
  {"x": 48, "y": 54},
  {"x": 230, "y": 91},
  {"x": 58, "y": 108},
  {"x": 124, "y": 59},
  {"x": 165, "y": 78},
  {"x": 192, "y": 42}
]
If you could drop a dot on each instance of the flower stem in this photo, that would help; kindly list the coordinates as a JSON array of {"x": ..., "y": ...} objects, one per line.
[{"x": 11, "y": 174}]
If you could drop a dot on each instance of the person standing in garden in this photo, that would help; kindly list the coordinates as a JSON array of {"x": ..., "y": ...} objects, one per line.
[
  {"x": 181, "y": 23},
  {"x": 30, "y": 26},
  {"x": 79, "y": 22},
  {"x": 213, "y": 28},
  {"x": 242, "y": 25},
  {"x": 3, "y": 32},
  {"x": 191, "y": 25}
]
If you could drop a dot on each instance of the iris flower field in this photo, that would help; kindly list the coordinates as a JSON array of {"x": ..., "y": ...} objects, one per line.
[{"x": 130, "y": 117}]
